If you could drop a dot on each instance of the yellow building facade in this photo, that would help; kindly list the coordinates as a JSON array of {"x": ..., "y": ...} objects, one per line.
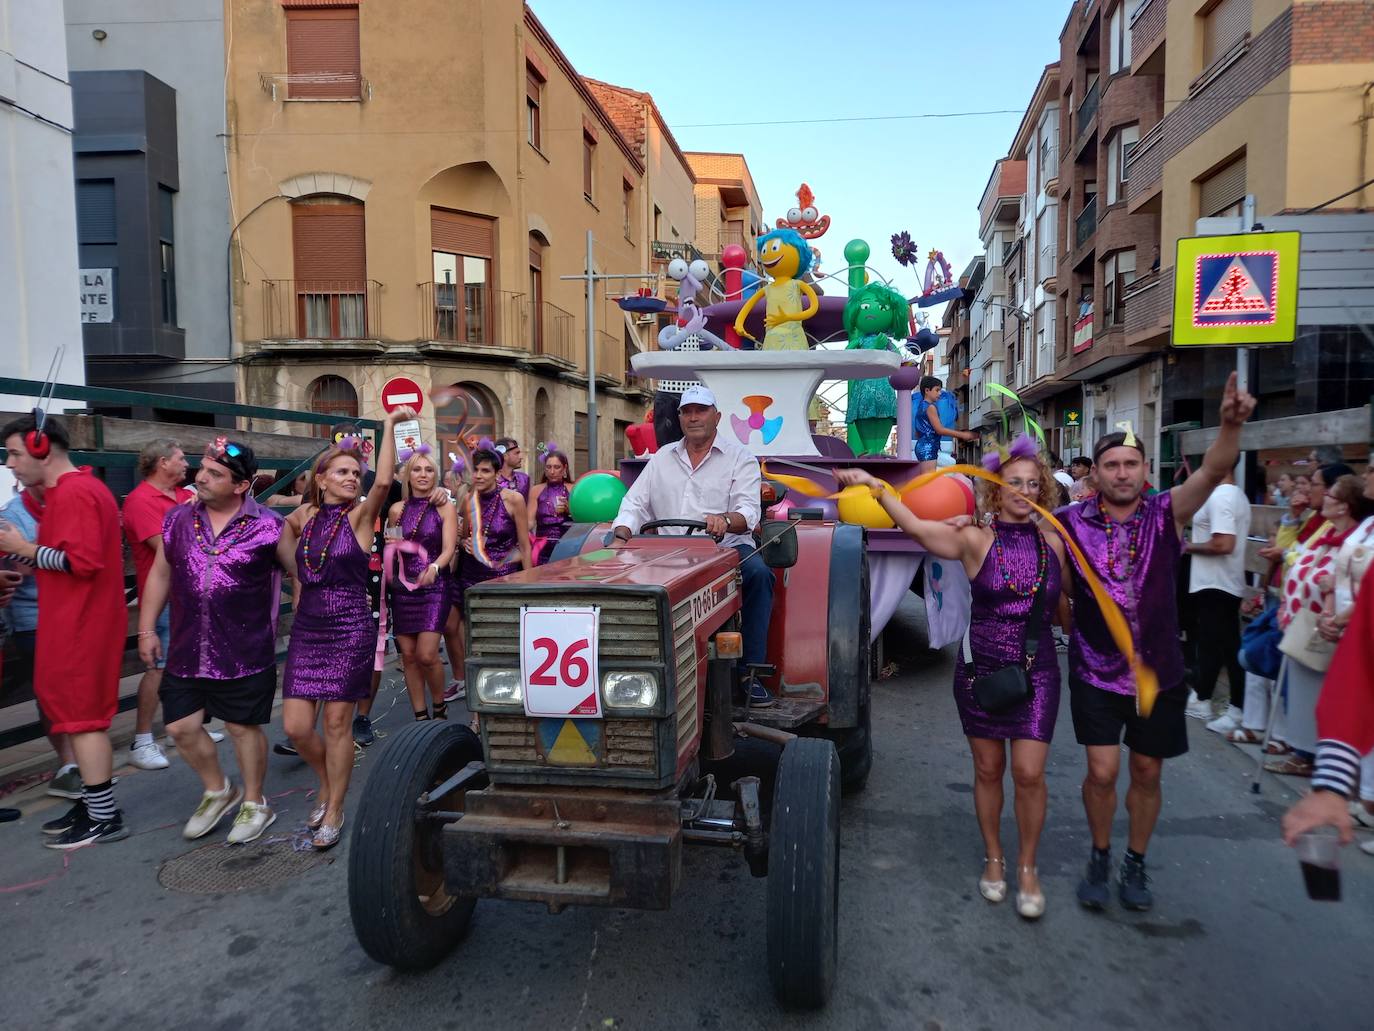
[{"x": 410, "y": 179}]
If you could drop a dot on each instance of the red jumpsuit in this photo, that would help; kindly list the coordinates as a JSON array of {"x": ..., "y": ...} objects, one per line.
[
  {"x": 82, "y": 617},
  {"x": 1345, "y": 708}
]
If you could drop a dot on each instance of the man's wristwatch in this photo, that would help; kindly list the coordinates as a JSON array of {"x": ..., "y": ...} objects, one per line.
[{"x": 620, "y": 536}]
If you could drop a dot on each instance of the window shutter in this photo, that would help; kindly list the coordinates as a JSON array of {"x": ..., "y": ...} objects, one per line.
[
  {"x": 1222, "y": 188},
  {"x": 1223, "y": 27},
  {"x": 95, "y": 211},
  {"x": 458, "y": 233},
  {"x": 322, "y": 58},
  {"x": 330, "y": 246}
]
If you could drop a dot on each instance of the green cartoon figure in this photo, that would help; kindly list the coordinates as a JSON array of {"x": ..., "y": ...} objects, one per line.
[{"x": 875, "y": 318}]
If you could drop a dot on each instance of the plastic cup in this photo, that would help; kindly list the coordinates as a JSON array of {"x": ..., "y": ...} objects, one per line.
[{"x": 1319, "y": 853}]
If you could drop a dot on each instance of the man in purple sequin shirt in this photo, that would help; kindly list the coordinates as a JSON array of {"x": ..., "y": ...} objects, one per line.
[
  {"x": 1133, "y": 543},
  {"x": 218, "y": 563}
]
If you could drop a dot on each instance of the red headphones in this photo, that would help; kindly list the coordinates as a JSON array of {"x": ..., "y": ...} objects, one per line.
[{"x": 36, "y": 442}]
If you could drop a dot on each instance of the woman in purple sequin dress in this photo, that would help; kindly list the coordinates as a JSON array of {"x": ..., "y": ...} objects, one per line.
[
  {"x": 549, "y": 517},
  {"x": 424, "y": 518},
  {"x": 1006, "y": 562},
  {"x": 326, "y": 545},
  {"x": 497, "y": 517}
]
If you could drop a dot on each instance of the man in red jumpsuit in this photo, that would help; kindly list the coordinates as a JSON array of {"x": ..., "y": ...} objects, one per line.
[{"x": 82, "y": 618}]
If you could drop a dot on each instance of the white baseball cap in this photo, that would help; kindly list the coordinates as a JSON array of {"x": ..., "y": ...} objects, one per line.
[{"x": 697, "y": 395}]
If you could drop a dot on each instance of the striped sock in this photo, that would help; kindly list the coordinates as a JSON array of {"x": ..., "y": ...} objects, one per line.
[{"x": 99, "y": 799}]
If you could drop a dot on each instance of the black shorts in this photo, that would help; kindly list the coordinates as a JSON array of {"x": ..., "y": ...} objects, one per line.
[
  {"x": 1099, "y": 716},
  {"x": 245, "y": 700}
]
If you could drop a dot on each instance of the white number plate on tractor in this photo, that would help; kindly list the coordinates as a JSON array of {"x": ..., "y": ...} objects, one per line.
[{"x": 558, "y": 648}]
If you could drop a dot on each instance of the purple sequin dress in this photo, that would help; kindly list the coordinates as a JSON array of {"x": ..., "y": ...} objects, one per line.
[
  {"x": 997, "y": 635},
  {"x": 518, "y": 481},
  {"x": 424, "y": 610},
  {"x": 333, "y": 636},
  {"x": 549, "y": 526},
  {"x": 503, "y": 546}
]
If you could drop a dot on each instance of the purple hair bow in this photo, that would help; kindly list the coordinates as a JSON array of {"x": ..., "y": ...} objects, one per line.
[
  {"x": 1022, "y": 447},
  {"x": 406, "y": 453}
]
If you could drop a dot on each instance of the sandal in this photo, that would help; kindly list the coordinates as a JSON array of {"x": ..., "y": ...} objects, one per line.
[
  {"x": 1277, "y": 748},
  {"x": 316, "y": 817},
  {"x": 326, "y": 837},
  {"x": 993, "y": 891},
  {"x": 1244, "y": 736},
  {"x": 440, "y": 711},
  {"x": 421, "y": 714},
  {"x": 1291, "y": 766},
  {"x": 1029, "y": 906}
]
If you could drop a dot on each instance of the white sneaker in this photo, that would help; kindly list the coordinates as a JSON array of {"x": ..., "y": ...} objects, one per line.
[
  {"x": 213, "y": 805},
  {"x": 215, "y": 735},
  {"x": 251, "y": 821},
  {"x": 1361, "y": 815},
  {"x": 1197, "y": 708},
  {"x": 1226, "y": 722},
  {"x": 148, "y": 757}
]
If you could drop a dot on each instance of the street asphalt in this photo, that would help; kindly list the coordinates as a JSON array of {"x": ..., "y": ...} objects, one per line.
[{"x": 95, "y": 939}]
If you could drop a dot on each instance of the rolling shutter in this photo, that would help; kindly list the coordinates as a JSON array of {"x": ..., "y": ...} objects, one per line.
[
  {"x": 1223, "y": 188},
  {"x": 457, "y": 233},
  {"x": 329, "y": 241},
  {"x": 322, "y": 59},
  {"x": 1223, "y": 27},
  {"x": 95, "y": 211}
]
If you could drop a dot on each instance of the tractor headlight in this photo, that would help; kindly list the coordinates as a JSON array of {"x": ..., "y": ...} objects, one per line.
[
  {"x": 623, "y": 689},
  {"x": 500, "y": 687}
]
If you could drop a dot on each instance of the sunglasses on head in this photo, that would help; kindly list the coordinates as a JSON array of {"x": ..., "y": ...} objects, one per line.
[{"x": 220, "y": 447}]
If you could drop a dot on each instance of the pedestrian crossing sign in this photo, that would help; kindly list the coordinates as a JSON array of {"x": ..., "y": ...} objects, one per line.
[{"x": 1235, "y": 290}]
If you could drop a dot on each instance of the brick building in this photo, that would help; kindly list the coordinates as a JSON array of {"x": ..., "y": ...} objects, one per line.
[{"x": 728, "y": 206}]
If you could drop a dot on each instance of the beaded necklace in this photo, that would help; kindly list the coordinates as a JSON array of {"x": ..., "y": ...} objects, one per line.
[
  {"x": 414, "y": 531},
  {"x": 211, "y": 545},
  {"x": 1132, "y": 526},
  {"x": 1042, "y": 563},
  {"x": 307, "y": 535}
]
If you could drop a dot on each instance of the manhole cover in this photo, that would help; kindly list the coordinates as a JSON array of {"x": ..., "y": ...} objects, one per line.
[{"x": 217, "y": 868}]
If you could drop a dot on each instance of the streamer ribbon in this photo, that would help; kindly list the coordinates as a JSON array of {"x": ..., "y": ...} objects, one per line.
[
  {"x": 390, "y": 556},
  {"x": 1146, "y": 682}
]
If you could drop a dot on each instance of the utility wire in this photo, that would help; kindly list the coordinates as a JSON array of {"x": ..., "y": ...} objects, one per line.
[{"x": 1347, "y": 193}]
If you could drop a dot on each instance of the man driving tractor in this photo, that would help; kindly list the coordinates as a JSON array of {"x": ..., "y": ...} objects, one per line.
[{"x": 707, "y": 477}]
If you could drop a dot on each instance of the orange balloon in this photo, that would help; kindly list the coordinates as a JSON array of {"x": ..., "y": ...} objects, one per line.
[{"x": 944, "y": 498}]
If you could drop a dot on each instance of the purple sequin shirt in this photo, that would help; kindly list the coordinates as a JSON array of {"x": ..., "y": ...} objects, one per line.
[
  {"x": 1145, "y": 589},
  {"x": 223, "y": 592}
]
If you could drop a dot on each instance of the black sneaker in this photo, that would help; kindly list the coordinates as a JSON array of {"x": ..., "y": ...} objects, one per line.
[
  {"x": 1134, "y": 889},
  {"x": 67, "y": 820},
  {"x": 362, "y": 730},
  {"x": 1092, "y": 889},
  {"x": 285, "y": 748},
  {"x": 86, "y": 831},
  {"x": 756, "y": 694}
]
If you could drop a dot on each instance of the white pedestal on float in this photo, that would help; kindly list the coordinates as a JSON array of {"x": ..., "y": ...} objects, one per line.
[{"x": 764, "y": 396}]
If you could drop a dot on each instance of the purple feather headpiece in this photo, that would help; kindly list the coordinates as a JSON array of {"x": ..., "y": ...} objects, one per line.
[
  {"x": 407, "y": 453},
  {"x": 904, "y": 248},
  {"x": 456, "y": 463},
  {"x": 1023, "y": 446},
  {"x": 486, "y": 444}
]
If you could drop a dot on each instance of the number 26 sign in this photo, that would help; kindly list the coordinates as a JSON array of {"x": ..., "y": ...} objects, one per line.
[{"x": 558, "y": 662}]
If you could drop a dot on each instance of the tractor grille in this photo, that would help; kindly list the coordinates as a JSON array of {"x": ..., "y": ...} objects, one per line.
[
  {"x": 629, "y": 628},
  {"x": 685, "y": 650},
  {"x": 512, "y": 741}
]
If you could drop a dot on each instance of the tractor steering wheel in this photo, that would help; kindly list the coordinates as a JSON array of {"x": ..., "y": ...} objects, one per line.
[{"x": 690, "y": 524}]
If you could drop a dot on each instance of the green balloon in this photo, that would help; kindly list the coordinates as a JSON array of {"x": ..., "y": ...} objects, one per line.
[{"x": 596, "y": 498}]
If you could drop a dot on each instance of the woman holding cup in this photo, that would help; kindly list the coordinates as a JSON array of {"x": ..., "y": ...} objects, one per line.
[{"x": 549, "y": 518}]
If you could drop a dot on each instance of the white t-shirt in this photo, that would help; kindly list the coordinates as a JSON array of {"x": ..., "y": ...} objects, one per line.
[{"x": 1226, "y": 511}]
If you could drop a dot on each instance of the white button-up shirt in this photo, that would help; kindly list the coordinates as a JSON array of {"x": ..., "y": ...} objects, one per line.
[{"x": 727, "y": 480}]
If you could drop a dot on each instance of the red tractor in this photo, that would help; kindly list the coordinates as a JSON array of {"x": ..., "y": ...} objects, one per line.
[{"x": 592, "y": 805}]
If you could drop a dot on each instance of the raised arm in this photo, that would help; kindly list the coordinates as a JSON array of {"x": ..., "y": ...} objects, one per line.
[
  {"x": 366, "y": 513},
  {"x": 1220, "y": 459}
]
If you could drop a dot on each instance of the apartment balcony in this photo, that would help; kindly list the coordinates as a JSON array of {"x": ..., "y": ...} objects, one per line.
[
  {"x": 1147, "y": 38},
  {"x": 1148, "y": 305},
  {"x": 456, "y": 316},
  {"x": 550, "y": 332},
  {"x": 1145, "y": 171},
  {"x": 666, "y": 251},
  {"x": 1085, "y": 225},
  {"x": 1085, "y": 118},
  {"x": 611, "y": 366},
  {"x": 305, "y": 314}
]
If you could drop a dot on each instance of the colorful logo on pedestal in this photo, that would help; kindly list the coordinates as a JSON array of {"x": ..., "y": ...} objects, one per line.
[{"x": 757, "y": 405}]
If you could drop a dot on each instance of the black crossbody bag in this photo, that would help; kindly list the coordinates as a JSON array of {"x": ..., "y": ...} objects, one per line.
[{"x": 1009, "y": 686}]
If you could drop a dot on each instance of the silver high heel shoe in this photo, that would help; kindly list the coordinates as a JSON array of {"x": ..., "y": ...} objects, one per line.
[
  {"x": 316, "y": 817},
  {"x": 993, "y": 891},
  {"x": 327, "y": 837},
  {"x": 1029, "y": 906}
]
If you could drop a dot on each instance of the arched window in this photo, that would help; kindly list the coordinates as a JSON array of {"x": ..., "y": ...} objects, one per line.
[
  {"x": 332, "y": 395},
  {"x": 469, "y": 414}
]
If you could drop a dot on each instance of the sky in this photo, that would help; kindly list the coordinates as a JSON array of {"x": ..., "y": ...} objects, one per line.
[{"x": 841, "y": 72}]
